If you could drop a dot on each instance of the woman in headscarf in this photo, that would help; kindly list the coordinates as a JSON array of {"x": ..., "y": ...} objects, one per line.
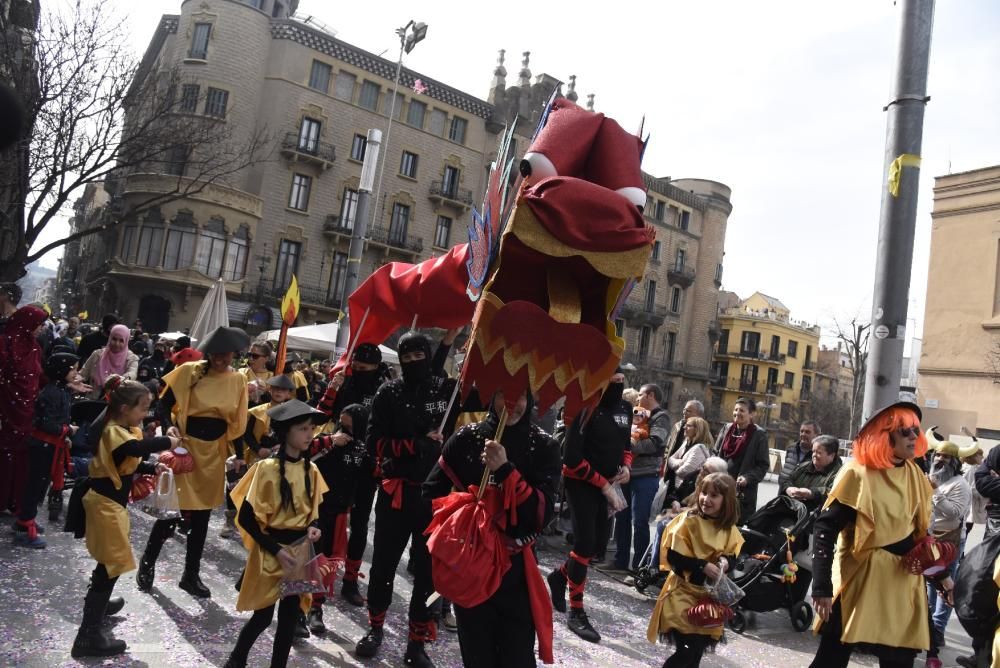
[
  {"x": 20, "y": 368},
  {"x": 114, "y": 359}
]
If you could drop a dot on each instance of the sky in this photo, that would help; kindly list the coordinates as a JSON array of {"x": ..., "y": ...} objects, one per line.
[{"x": 780, "y": 100}]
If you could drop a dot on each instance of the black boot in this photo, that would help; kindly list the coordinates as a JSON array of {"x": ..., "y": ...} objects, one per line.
[
  {"x": 91, "y": 639},
  {"x": 147, "y": 565},
  {"x": 557, "y": 588},
  {"x": 55, "y": 505},
  {"x": 368, "y": 646},
  {"x": 192, "y": 584},
  {"x": 316, "y": 625},
  {"x": 416, "y": 656},
  {"x": 579, "y": 624},
  {"x": 115, "y": 606},
  {"x": 301, "y": 630},
  {"x": 349, "y": 592}
]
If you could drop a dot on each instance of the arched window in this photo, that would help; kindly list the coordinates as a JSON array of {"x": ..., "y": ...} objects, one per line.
[
  {"x": 181, "y": 241},
  {"x": 236, "y": 254},
  {"x": 211, "y": 248},
  {"x": 151, "y": 240}
]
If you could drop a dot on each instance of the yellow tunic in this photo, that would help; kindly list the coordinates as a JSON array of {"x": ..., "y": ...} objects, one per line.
[
  {"x": 996, "y": 634},
  {"x": 261, "y": 425},
  {"x": 299, "y": 379},
  {"x": 261, "y": 488},
  {"x": 261, "y": 377},
  {"x": 699, "y": 538},
  {"x": 871, "y": 584},
  {"x": 217, "y": 395},
  {"x": 107, "y": 520}
]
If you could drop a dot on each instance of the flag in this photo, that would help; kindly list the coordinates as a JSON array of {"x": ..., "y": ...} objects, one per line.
[
  {"x": 82, "y": 315},
  {"x": 419, "y": 87},
  {"x": 290, "y": 303}
]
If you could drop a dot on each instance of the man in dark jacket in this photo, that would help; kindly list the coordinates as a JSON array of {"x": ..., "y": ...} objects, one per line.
[
  {"x": 744, "y": 447},
  {"x": 647, "y": 456},
  {"x": 798, "y": 453},
  {"x": 812, "y": 481},
  {"x": 988, "y": 486}
]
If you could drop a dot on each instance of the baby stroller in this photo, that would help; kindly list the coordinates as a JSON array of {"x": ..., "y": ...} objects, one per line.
[
  {"x": 783, "y": 525},
  {"x": 82, "y": 413}
]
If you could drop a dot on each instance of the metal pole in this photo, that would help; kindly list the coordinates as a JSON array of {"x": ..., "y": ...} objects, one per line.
[
  {"x": 358, "y": 234},
  {"x": 392, "y": 112},
  {"x": 904, "y": 132}
]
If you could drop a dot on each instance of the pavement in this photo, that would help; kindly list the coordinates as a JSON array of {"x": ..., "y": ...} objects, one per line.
[{"x": 41, "y": 598}]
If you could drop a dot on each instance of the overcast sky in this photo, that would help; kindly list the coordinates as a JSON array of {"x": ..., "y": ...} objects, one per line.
[{"x": 780, "y": 100}]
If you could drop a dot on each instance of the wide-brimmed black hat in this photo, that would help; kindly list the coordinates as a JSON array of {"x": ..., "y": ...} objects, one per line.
[
  {"x": 225, "y": 340},
  {"x": 281, "y": 381},
  {"x": 909, "y": 405},
  {"x": 295, "y": 409}
]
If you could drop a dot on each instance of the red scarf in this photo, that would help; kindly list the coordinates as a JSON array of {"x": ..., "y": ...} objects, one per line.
[
  {"x": 733, "y": 445},
  {"x": 20, "y": 368}
]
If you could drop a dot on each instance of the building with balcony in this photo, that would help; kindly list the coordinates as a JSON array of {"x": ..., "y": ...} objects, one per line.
[
  {"x": 958, "y": 382},
  {"x": 764, "y": 354}
]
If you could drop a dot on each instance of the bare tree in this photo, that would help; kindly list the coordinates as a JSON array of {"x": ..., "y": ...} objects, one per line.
[
  {"x": 96, "y": 113},
  {"x": 853, "y": 335}
]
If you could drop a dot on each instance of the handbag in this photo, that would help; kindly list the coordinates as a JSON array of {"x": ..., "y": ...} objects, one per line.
[
  {"x": 163, "y": 504},
  {"x": 725, "y": 591},
  {"x": 708, "y": 613},
  {"x": 306, "y": 577}
]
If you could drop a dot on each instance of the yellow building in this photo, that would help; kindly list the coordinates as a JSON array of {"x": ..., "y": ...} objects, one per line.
[{"x": 767, "y": 356}]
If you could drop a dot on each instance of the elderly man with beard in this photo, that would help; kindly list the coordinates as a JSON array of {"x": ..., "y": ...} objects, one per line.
[
  {"x": 405, "y": 434},
  {"x": 950, "y": 505}
]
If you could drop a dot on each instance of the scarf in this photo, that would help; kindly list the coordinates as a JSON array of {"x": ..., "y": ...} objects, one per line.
[
  {"x": 112, "y": 363},
  {"x": 733, "y": 445},
  {"x": 20, "y": 367}
]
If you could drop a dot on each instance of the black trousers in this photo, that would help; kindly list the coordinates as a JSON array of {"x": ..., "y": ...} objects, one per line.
[
  {"x": 288, "y": 614},
  {"x": 393, "y": 528},
  {"x": 39, "y": 473},
  {"x": 364, "y": 499},
  {"x": 197, "y": 532},
  {"x": 589, "y": 512},
  {"x": 500, "y": 633},
  {"x": 690, "y": 647},
  {"x": 832, "y": 653}
]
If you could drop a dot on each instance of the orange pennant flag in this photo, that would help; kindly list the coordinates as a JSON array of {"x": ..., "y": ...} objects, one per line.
[{"x": 290, "y": 303}]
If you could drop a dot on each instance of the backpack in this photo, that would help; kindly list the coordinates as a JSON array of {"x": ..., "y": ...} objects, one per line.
[{"x": 975, "y": 590}]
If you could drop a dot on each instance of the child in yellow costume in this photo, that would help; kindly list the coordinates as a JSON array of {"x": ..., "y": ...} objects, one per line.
[
  {"x": 119, "y": 451},
  {"x": 277, "y": 504},
  {"x": 206, "y": 402},
  {"x": 698, "y": 545},
  {"x": 868, "y": 587}
]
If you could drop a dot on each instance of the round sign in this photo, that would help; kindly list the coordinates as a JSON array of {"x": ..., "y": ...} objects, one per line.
[{"x": 881, "y": 332}]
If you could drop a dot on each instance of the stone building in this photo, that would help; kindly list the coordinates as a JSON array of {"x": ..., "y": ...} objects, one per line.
[
  {"x": 958, "y": 381},
  {"x": 253, "y": 64},
  {"x": 764, "y": 354}
]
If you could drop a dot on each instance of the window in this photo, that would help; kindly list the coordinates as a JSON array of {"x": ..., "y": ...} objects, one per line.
[
  {"x": 150, "y": 240},
  {"x": 348, "y": 208},
  {"x": 786, "y": 412},
  {"x": 277, "y": 10},
  {"x": 236, "y": 255},
  {"x": 415, "y": 115},
  {"x": 656, "y": 251},
  {"x": 288, "y": 263},
  {"x": 675, "y": 300},
  {"x": 806, "y": 387},
  {"x": 387, "y": 108},
  {"x": 659, "y": 210},
  {"x": 750, "y": 344},
  {"x": 671, "y": 346},
  {"x": 189, "y": 98},
  {"x": 176, "y": 160},
  {"x": 723, "y": 341},
  {"x": 748, "y": 378},
  {"x": 319, "y": 76},
  {"x": 809, "y": 354},
  {"x": 438, "y": 119},
  {"x": 127, "y": 253},
  {"x": 369, "y": 95},
  {"x": 772, "y": 381},
  {"x": 309, "y": 135},
  {"x": 721, "y": 372},
  {"x": 775, "y": 347},
  {"x": 256, "y": 4},
  {"x": 181, "y": 240},
  {"x": 358, "y": 146},
  {"x": 685, "y": 220},
  {"x": 199, "y": 41},
  {"x": 408, "y": 165},
  {"x": 457, "y": 131},
  {"x": 679, "y": 261},
  {"x": 344, "y": 88},
  {"x": 718, "y": 273},
  {"x": 215, "y": 102},
  {"x": 620, "y": 328},
  {"x": 211, "y": 248},
  {"x": 645, "y": 334},
  {"x": 793, "y": 348},
  {"x": 442, "y": 232},
  {"x": 299, "y": 197},
  {"x": 789, "y": 379},
  {"x": 650, "y": 295},
  {"x": 399, "y": 224},
  {"x": 449, "y": 186},
  {"x": 338, "y": 277}
]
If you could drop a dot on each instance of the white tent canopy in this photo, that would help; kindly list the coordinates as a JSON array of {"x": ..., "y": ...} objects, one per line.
[
  {"x": 319, "y": 339},
  {"x": 213, "y": 313}
]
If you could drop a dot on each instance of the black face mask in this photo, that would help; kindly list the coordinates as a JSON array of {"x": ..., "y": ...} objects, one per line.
[
  {"x": 613, "y": 395},
  {"x": 416, "y": 372}
]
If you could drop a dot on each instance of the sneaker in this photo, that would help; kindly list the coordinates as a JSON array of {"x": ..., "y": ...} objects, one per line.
[
  {"x": 37, "y": 543},
  {"x": 449, "y": 621}
]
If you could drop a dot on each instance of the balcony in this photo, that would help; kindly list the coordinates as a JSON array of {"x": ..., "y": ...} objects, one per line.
[
  {"x": 334, "y": 226},
  {"x": 809, "y": 365},
  {"x": 680, "y": 274},
  {"x": 267, "y": 292},
  {"x": 391, "y": 239},
  {"x": 458, "y": 197},
  {"x": 805, "y": 395},
  {"x": 756, "y": 355},
  {"x": 637, "y": 314},
  {"x": 300, "y": 149},
  {"x": 715, "y": 332}
]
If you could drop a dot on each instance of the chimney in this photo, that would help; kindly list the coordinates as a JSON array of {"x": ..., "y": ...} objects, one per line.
[
  {"x": 499, "y": 85},
  {"x": 571, "y": 89}
]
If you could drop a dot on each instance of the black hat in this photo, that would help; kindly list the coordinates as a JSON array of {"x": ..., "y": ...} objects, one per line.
[
  {"x": 909, "y": 405},
  {"x": 58, "y": 365},
  {"x": 295, "y": 409},
  {"x": 183, "y": 342},
  {"x": 281, "y": 381},
  {"x": 225, "y": 340},
  {"x": 413, "y": 342},
  {"x": 367, "y": 353}
]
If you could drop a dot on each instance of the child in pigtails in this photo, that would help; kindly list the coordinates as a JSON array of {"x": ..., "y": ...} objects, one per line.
[{"x": 277, "y": 503}]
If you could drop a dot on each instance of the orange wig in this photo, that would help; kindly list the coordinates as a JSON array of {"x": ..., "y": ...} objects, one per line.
[{"x": 873, "y": 446}]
